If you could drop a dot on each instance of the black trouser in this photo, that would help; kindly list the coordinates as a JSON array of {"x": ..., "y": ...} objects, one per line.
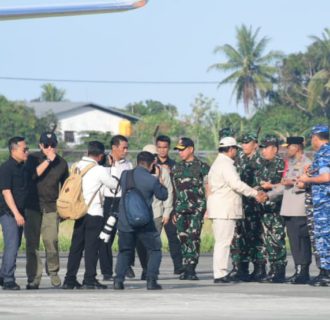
[
  {"x": 111, "y": 205},
  {"x": 85, "y": 237},
  {"x": 299, "y": 239},
  {"x": 174, "y": 244},
  {"x": 127, "y": 243}
]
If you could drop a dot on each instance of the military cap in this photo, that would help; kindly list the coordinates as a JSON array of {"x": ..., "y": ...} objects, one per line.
[
  {"x": 248, "y": 137},
  {"x": 321, "y": 128},
  {"x": 293, "y": 140},
  {"x": 184, "y": 143},
  {"x": 269, "y": 140},
  {"x": 226, "y": 132}
]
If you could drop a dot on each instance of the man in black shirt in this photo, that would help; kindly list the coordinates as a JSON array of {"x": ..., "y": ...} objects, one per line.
[
  {"x": 13, "y": 186},
  {"x": 48, "y": 171},
  {"x": 163, "y": 144}
]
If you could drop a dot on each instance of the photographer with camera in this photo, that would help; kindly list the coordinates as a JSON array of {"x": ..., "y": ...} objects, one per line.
[{"x": 117, "y": 164}]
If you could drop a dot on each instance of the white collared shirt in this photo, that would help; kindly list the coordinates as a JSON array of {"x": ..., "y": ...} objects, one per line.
[
  {"x": 116, "y": 170},
  {"x": 93, "y": 180}
]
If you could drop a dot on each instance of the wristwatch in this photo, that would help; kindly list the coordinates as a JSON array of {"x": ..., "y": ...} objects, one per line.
[{"x": 48, "y": 160}]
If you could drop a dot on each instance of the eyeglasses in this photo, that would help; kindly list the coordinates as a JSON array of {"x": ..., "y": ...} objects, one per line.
[
  {"x": 26, "y": 150},
  {"x": 51, "y": 145}
]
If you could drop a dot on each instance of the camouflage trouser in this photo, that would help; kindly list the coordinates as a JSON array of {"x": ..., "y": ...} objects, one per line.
[
  {"x": 274, "y": 238},
  {"x": 310, "y": 223},
  {"x": 189, "y": 227},
  {"x": 247, "y": 245},
  {"x": 322, "y": 234}
]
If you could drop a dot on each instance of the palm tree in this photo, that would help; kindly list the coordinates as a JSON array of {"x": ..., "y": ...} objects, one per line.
[
  {"x": 51, "y": 93},
  {"x": 318, "y": 88},
  {"x": 252, "y": 72}
]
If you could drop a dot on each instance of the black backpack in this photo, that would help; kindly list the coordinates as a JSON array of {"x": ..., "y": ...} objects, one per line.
[{"x": 137, "y": 211}]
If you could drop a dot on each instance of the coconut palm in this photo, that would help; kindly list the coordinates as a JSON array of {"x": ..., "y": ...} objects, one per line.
[
  {"x": 319, "y": 86},
  {"x": 253, "y": 73},
  {"x": 51, "y": 93}
]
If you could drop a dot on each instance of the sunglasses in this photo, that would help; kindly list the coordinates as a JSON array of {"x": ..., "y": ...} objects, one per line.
[{"x": 51, "y": 145}]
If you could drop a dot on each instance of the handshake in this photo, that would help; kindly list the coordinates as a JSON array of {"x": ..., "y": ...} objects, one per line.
[
  {"x": 261, "y": 197},
  {"x": 107, "y": 229}
]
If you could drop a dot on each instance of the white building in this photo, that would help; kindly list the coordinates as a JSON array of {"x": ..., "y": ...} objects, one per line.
[{"x": 76, "y": 119}]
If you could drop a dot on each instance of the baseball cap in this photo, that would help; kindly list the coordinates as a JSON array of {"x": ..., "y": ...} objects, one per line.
[
  {"x": 293, "y": 140},
  {"x": 150, "y": 148},
  {"x": 248, "y": 137},
  {"x": 184, "y": 143},
  {"x": 48, "y": 139},
  {"x": 228, "y": 142},
  {"x": 269, "y": 140},
  {"x": 321, "y": 128}
]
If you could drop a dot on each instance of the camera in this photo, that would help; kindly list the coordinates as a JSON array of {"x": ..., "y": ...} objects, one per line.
[{"x": 107, "y": 229}]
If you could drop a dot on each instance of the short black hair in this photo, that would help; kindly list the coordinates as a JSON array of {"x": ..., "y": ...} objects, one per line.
[
  {"x": 322, "y": 135},
  {"x": 12, "y": 142},
  {"x": 163, "y": 138},
  {"x": 145, "y": 158},
  {"x": 115, "y": 140},
  {"x": 226, "y": 149},
  {"x": 95, "y": 148}
]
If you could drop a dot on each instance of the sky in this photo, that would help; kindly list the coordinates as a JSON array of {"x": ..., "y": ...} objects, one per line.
[{"x": 167, "y": 40}]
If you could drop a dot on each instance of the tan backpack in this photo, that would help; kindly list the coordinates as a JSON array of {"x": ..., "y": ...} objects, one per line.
[{"x": 71, "y": 203}]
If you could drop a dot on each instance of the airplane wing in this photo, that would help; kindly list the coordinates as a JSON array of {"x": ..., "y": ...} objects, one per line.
[{"x": 60, "y": 10}]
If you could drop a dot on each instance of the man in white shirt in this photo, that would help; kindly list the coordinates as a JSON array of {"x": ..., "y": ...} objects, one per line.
[
  {"x": 85, "y": 237},
  {"x": 119, "y": 163},
  {"x": 224, "y": 204}
]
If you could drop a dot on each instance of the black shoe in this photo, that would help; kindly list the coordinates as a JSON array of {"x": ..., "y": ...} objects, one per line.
[
  {"x": 71, "y": 285},
  {"x": 1, "y": 282},
  {"x": 278, "y": 275},
  {"x": 144, "y": 275},
  {"x": 183, "y": 276},
  {"x": 11, "y": 286},
  {"x": 225, "y": 279},
  {"x": 190, "y": 273},
  {"x": 179, "y": 270},
  {"x": 130, "y": 273},
  {"x": 118, "y": 285},
  {"x": 294, "y": 276},
  {"x": 259, "y": 272},
  {"x": 322, "y": 280},
  {"x": 32, "y": 286},
  {"x": 93, "y": 285},
  {"x": 302, "y": 276},
  {"x": 153, "y": 285},
  {"x": 107, "y": 277}
]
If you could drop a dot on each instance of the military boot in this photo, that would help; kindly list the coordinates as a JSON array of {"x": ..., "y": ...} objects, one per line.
[
  {"x": 259, "y": 272},
  {"x": 191, "y": 273},
  {"x": 322, "y": 280},
  {"x": 302, "y": 276},
  {"x": 240, "y": 272},
  {"x": 295, "y": 275},
  {"x": 278, "y": 275}
]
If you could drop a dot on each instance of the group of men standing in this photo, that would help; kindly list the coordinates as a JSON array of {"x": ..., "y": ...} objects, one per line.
[{"x": 250, "y": 193}]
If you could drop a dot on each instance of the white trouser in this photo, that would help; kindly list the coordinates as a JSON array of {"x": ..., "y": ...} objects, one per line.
[{"x": 223, "y": 230}]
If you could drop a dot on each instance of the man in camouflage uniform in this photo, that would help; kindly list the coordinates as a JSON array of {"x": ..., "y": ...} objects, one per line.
[
  {"x": 270, "y": 174},
  {"x": 247, "y": 245},
  {"x": 319, "y": 179},
  {"x": 189, "y": 177}
]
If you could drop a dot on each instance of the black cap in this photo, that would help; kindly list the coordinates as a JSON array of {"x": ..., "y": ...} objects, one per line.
[
  {"x": 293, "y": 140},
  {"x": 48, "y": 139},
  {"x": 184, "y": 143}
]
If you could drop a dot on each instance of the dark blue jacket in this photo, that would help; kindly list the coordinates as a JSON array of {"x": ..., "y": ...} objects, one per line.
[{"x": 149, "y": 186}]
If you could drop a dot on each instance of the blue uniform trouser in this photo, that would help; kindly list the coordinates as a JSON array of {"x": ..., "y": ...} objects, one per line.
[
  {"x": 12, "y": 235},
  {"x": 322, "y": 234}
]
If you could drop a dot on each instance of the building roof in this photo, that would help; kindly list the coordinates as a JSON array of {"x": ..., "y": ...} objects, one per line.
[{"x": 62, "y": 107}]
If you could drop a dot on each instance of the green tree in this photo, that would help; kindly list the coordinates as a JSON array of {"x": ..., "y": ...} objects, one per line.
[
  {"x": 51, "y": 93},
  {"x": 319, "y": 85},
  {"x": 252, "y": 71},
  {"x": 150, "y": 107}
]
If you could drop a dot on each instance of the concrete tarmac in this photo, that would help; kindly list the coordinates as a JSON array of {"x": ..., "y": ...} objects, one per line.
[{"x": 178, "y": 300}]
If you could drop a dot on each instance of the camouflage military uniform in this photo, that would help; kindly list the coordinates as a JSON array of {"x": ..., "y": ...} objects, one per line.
[
  {"x": 272, "y": 222},
  {"x": 321, "y": 205},
  {"x": 247, "y": 245},
  {"x": 190, "y": 206}
]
